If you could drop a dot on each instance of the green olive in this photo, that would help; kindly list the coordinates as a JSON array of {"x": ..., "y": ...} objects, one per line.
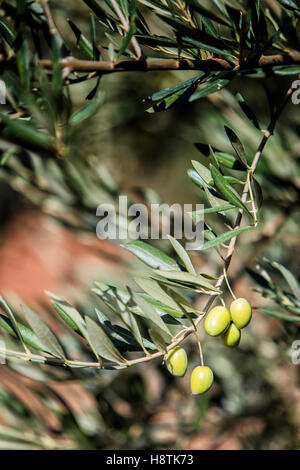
[
  {"x": 177, "y": 361},
  {"x": 232, "y": 336},
  {"x": 241, "y": 312},
  {"x": 201, "y": 380},
  {"x": 217, "y": 321}
]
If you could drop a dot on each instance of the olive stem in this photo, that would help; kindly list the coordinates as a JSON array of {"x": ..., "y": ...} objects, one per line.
[
  {"x": 254, "y": 210},
  {"x": 199, "y": 347},
  {"x": 228, "y": 284}
]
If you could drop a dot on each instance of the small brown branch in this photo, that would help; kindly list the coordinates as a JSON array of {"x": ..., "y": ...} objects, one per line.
[
  {"x": 49, "y": 18},
  {"x": 143, "y": 65},
  {"x": 153, "y": 64}
]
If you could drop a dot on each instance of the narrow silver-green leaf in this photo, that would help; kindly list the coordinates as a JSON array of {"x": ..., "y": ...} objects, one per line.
[
  {"x": 181, "y": 252},
  {"x": 8, "y": 311},
  {"x": 211, "y": 210},
  {"x": 186, "y": 278},
  {"x": 151, "y": 256},
  {"x": 29, "y": 337},
  {"x": 223, "y": 238},
  {"x": 43, "y": 332},
  {"x": 202, "y": 171},
  {"x": 152, "y": 288},
  {"x": 151, "y": 313},
  {"x": 157, "y": 340},
  {"x": 71, "y": 316},
  {"x": 224, "y": 188},
  {"x": 102, "y": 343},
  {"x": 87, "y": 111}
]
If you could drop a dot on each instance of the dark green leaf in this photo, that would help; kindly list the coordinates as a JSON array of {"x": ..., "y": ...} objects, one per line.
[
  {"x": 237, "y": 145},
  {"x": 212, "y": 87},
  {"x": 224, "y": 188},
  {"x": 87, "y": 111},
  {"x": 14, "y": 324}
]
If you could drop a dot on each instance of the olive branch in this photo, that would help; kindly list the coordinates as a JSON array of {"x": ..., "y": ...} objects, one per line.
[
  {"x": 207, "y": 41},
  {"x": 129, "y": 305}
]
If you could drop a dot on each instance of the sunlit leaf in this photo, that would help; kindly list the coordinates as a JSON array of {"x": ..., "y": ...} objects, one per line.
[{"x": 151, "y": 256}]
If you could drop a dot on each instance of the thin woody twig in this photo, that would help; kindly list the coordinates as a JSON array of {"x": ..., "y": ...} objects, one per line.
[
  {"x": 142, "y": 65},
  {"x": 157, "y": 64},
  {"x": 49, "y": 18}
]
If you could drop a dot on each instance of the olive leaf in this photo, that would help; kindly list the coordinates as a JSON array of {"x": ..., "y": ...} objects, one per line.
[
  {"x": 151, "y": 256},
  {"x": 223, "y": 158},
  {"x": 247, "y": 110},
  {"x": 121, "y": 336},
  {"x": 197, "y": 215},
  {"x": 290, "y": 279},
  {"x": 68, "y": 313},
  {"x": 203, "y": 171},
  {"x": 43, "y": 332},
  {"x": 71, "y": 316},
  {"x": 151, "y": 313},
  {"x": 102, "y": 343},
  {"x": 87, "y": 111},
  {"x": 14, "y": 324},
  {"x": 29, "y": 337},
  {"x": 82, "y": 42},
  {"x": 153, "y": 289},
  {"x": 223, "y": 238},
  {"x": 181, "y": 252},
  {"x": 237, "y": 145},
  {"x": 224, "y": 188},
  {"x": 187, "y": 278},
  {"x": 158, "y": 340}
]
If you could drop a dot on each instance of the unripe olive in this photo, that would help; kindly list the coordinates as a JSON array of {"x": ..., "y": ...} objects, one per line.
[
  {"x": 201, "y": 380},
  {"x": 241, "y": 312},
  {"x": 232, "y": 336},
  {"x": 217, "y": 321},
  {"x": 177, "y": 361}
]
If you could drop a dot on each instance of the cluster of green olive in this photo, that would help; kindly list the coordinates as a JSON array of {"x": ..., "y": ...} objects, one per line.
[{"x": 219, "y": 321}]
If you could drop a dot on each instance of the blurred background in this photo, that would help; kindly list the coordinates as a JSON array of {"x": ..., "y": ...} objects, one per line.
[{"x": 255, "y": 401}]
